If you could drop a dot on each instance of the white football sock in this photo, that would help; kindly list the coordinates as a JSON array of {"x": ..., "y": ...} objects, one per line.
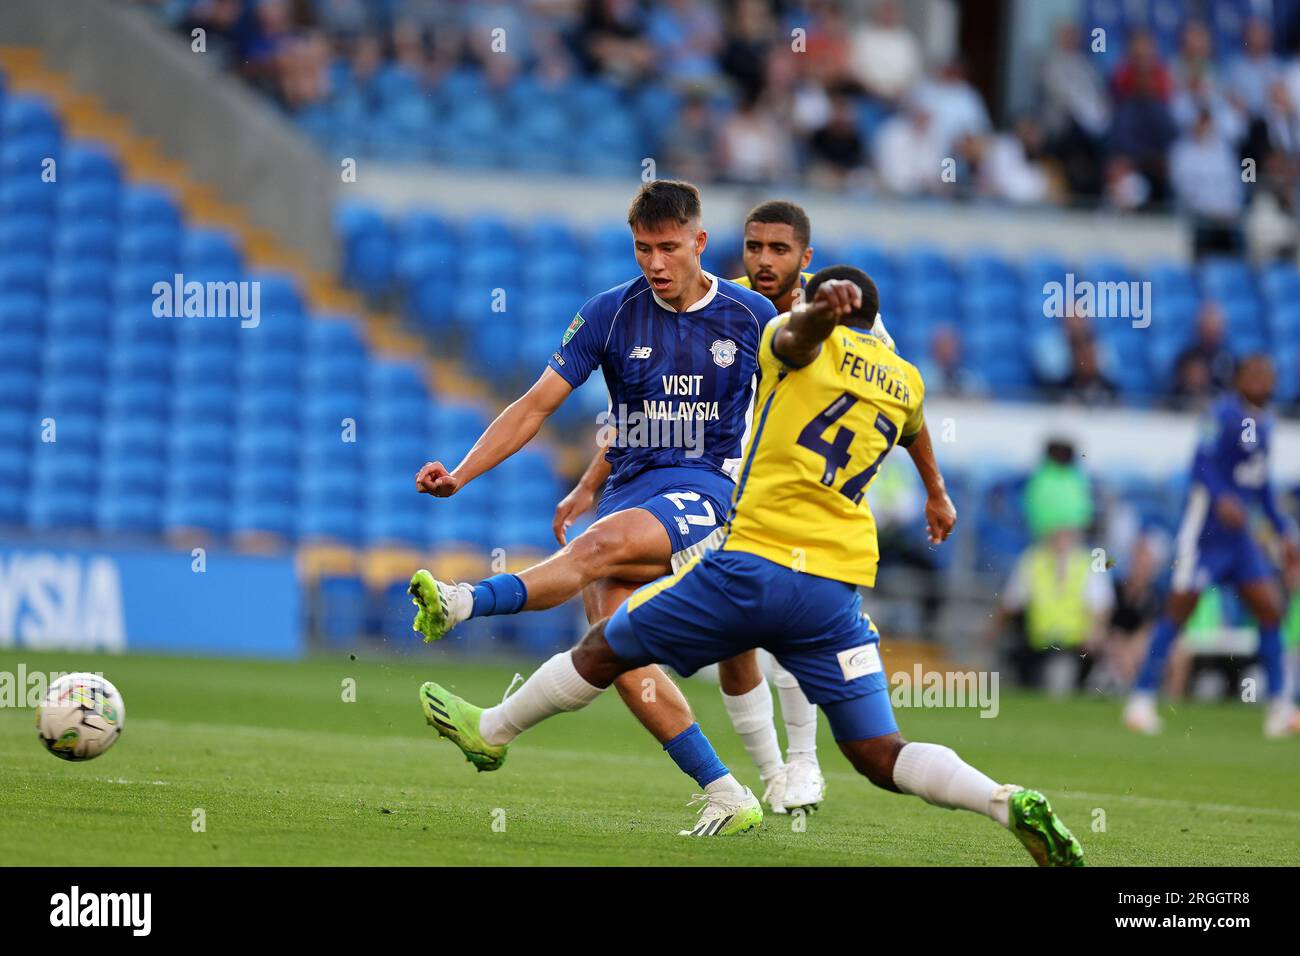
[
  {"x": 460, "y": 602},
  {"x": 799, "y": 714},
  {"x": 553, "y": 688},
  {"x": 724, "y": 784},
  {"x": 937, "y": 775},
  {"x": 754, "y": 718}
]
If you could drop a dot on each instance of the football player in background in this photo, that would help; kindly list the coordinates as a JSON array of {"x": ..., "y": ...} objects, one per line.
[{"x": 1215, "y": 545}]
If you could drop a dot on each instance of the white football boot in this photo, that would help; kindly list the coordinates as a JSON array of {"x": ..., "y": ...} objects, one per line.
[
  {"x": 1140, "y": 714},
  {"x": 804, "y": 785},
  {"x": 723, "y": 814},
  {"x": 774, "y": 795},
  {"x": 1282, "y": 719}
]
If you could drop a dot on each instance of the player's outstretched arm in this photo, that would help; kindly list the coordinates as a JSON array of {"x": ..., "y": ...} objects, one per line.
[
  {"x": 512, "y": 430},
  {"x": 579, "y": 501},
  {"x": 940, "y": 515},
  {"x": 799, "y": 340}
]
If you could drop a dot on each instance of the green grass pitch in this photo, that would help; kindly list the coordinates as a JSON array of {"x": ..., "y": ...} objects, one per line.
[{"x": 287, "y": 772}]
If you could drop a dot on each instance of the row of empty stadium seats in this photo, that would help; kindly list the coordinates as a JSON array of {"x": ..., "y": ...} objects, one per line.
[{"x": 509, "y": 289}]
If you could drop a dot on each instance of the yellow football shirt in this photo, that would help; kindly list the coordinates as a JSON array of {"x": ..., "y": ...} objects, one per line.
[{"x": 821, "y": 433}]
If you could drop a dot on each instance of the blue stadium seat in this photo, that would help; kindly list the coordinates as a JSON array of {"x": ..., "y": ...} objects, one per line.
[
  {"x": 26, "y": 235},
  {"x": 274, "y": 447},
  {"x": 203, "y": 401},
  {"x": 264, "y": 517},
  {"x": 94, "y": 204},
  {"x": 212, "y": 250},
  {"x": 152, "y": 246},
  {"x": 51, "y": 508},
  {"x": 194, "y": 510},
  {"x": 136, "y": 399},
  {"x": 144, "y": 476},
  {"x": 84, "y": 239},
  {"x": 28, "y": 115},
  {"x": 87, "y": 162},
  {"x": 144, "y": 205},
  {"x": 140, "y": 441},
  {"x": 273, "y": 409},
  {"x": 130, "y": 511},
  {"x": 23, "y": 275}
]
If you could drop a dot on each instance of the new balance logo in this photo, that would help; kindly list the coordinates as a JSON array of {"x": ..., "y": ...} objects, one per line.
[{"x": 641, "y": 352}]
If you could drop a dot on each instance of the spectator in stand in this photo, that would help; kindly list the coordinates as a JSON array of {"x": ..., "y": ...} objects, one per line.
[
  {"x": 826, "y": 55},
  {"x": 956, "y": 108},
  {"x": 1251, "y": 74},
  {"x": 1143, "y": 128},
  {"x": 611, "y": 40},
  {"x": 1142, "y": 73},
  {"x": 1205, "y": 366},
  {"x": 687, "y": 39},
  {"x": 1004, "y": 166},
  {"x": 1206, "y": 179},
  {"x": 1194, "y": 64},
  {"x": 1067, "y": 362},
  {"x": 1076, "y": 112},
  {"x": 1197, "y": 87},
  {"x": 689, "y": 142},
  {"x": 908, "y": 154},
  {"x": 942, "y": 369},
  {"x": 886, "y": 56},
  {"x": 837, "y": 152},
  {"x": 229, "y": 28},
  {"x": 1086, "y": 383},
  {"x": 753, "y": 148},
  {"x": 1126, "y": 189},
  {"x": 745, "y": 52}
]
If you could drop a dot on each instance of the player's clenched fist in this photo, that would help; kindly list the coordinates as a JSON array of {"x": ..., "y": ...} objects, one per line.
[
  {"x": 940, "y": 516},
  {"x": 839, "y": 295},
  {"x": 434, "y": 479}
]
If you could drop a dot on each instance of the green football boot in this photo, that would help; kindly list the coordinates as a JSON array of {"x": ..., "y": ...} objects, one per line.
[
  {"x": 457, "y": 720},
  {"x": 435, "y": 603},
  {"x": 1036, "y": 825},
  {"x": 723, "y": 814}
]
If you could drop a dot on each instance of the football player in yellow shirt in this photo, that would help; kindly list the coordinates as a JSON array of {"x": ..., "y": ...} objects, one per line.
[
  {"x": 832, "y": 403},
  {"x": 777, "y": 248}
]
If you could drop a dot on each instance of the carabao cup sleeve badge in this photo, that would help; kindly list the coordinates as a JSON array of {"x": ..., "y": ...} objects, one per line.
[{"x": 573, "y": 328}]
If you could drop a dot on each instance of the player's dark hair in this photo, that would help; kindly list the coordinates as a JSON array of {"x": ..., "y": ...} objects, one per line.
[
  {"x": 865, "y": 316},
  {"x": 664, "y": 201},
  {"x": 785, "y": 213}
]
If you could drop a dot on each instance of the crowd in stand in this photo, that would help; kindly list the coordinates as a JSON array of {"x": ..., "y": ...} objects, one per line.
[{"x": 832, "y": 93}]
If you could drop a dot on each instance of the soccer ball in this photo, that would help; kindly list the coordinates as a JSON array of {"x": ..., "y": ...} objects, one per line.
[{"x": 81, "y": 717}]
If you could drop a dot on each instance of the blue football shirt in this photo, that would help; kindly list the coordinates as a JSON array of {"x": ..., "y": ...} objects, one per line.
[{"x": 681, "y": 384}]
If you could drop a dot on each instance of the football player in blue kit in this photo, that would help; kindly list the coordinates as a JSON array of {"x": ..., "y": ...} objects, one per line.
[
  {"x": 678, "y": 349},
  {"x": 1215, "y": 545}
]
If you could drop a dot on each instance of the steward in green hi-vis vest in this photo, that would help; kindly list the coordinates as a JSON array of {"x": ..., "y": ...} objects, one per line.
[{"x": 1057, "y": 613}]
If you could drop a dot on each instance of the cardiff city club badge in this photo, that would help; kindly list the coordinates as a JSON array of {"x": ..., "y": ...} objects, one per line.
[
  {"x": 723, "y": 352},
  {"x": 573, "y": 327}
]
